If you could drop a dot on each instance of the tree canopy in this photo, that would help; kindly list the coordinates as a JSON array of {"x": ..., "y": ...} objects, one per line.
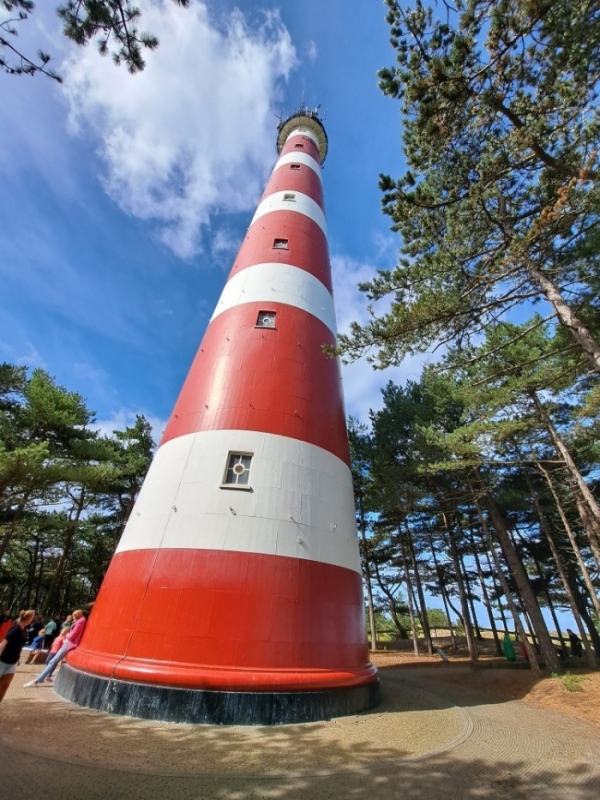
[
  {"x": 478, "y": 485},
  {"x": 499, "y": 204},
  {"x": 66, "y": 491},
  {"x": 481, "y": 481},
  {"x": 112, "y": 24}
]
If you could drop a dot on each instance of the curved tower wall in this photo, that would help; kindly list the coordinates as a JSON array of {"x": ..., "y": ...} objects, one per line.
[{"x": 238, "y": 570}]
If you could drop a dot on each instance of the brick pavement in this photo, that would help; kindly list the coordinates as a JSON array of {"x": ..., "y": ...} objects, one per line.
[{"x": 428, "y": 741}]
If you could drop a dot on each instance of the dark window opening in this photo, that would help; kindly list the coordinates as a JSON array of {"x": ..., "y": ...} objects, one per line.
[{"x": 266, "y": 319}]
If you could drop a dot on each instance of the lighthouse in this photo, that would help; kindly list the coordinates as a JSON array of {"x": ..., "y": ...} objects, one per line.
[{"x": 235, "y": 593}]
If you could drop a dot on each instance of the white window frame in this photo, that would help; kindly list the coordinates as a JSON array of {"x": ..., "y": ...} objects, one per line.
[{"x": 229, "y": 464}]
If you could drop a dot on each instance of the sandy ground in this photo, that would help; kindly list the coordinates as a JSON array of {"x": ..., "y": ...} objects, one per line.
[
  {"x": 442, "y": 732},
  {"x": 503, "y": 681}
]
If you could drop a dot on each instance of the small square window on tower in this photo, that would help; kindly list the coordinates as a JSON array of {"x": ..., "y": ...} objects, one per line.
[
  {"x": 266, "y": 319},
  {"x": 294, "y": 166},
  {"x": 280, "y": 244},
  {"x": 299, "y": 146},
  {"x": 289, "y": 198},
  {"x": 237, "y": 473}
]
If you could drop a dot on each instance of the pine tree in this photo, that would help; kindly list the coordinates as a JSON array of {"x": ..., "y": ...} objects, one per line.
[{"x": 499, "y": 205}]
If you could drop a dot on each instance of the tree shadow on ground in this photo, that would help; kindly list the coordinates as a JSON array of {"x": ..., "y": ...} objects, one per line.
[
  {"x": 491, "y": 682},
  {"x": 433, "y": 778},
  {"x": 345, "y": 758}
]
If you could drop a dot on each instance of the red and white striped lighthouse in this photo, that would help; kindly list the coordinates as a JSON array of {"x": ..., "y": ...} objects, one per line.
[{"x": 235, "y": 593}]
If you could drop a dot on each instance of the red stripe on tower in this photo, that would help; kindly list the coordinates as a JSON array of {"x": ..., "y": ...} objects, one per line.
[{"x": 238, "y": 571}]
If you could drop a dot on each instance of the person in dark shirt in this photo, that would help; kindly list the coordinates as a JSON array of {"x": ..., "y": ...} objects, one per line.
[
  {"x": 34, "y": 628},
  {"x": 575, "y": 642},
  {"x": 10, "y": 650}
]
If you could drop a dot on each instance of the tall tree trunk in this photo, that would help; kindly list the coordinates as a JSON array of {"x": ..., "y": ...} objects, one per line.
[
  {"x": 467, "y": 584},
  {"x": 462, "y": 595},
  {"x": 38, "y": 585},
  {"x": 367, "y": 571},
  {"x": 533, "y": 659},
  {"x": 520, "y": 576},
  {"x": 582, "y": 606},
  {"x": 567, "y": 316},
  {"x": 443, "y": 593},
  {"x": 409, "y": 600},
  {"x": 568, "y": 530},
  {"x": 33, "y": 556},
  {"x": 391, "y": 603},
  {"x": 498, "y": 592},
  {"x": 545, "y": 528},
  {"x": 71, "y": 530},
  {"x": 419, "y": 587},
  {"x": 588, "y": 524},
  {"x": 485, "y": 598},
  {"x": 588, "y": 497},
  {"x": 17, "y": 517}
]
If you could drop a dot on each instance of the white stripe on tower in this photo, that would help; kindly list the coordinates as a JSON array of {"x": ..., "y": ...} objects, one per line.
[
  {"x": 300, "y": 504},
  {"x": 299, "y": 158},
  {"x": 279, "y": 283},
  {"x": 293, "y": 202}
]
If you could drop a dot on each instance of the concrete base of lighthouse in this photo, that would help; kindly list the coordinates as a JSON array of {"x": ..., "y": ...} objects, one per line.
[{"x": 202, "y": 707}]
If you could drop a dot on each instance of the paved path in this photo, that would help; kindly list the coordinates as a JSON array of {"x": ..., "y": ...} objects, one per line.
[{"x": 428, "y": 741}]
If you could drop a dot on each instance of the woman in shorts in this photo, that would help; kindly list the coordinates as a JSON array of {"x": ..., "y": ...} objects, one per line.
[{"x": 10, "y": 649}]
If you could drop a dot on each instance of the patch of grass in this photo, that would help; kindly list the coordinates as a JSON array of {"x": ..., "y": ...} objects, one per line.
[{"x": 572, "y": 683}]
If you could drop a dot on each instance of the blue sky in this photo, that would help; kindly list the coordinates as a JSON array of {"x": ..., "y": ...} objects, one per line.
[{"x": 124, "y": 198}]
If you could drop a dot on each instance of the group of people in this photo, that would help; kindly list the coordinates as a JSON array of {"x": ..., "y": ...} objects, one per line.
[
  {"x": 575, "y": 648},
  {"x": 15, "y": 635}
]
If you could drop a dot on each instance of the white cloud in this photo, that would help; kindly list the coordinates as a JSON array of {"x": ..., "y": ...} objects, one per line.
[
  {"x": 123, "y": 417},
  {"x": 190, "y": 136},
  {"x": 311, "y": 51},
  {"x": 225, "y": 241},
  {"x": 30, "y": 358},
  {"x": 363, "y": 384}
]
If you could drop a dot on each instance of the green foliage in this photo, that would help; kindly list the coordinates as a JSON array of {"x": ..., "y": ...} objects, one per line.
[
  {"x": 65, "y": 491},
  {"x": 499, "y": 204},
  {"x": 472, "y": 438},
  {"x": 113, "y": 24},
  {"x": 437, "y": 619}
]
